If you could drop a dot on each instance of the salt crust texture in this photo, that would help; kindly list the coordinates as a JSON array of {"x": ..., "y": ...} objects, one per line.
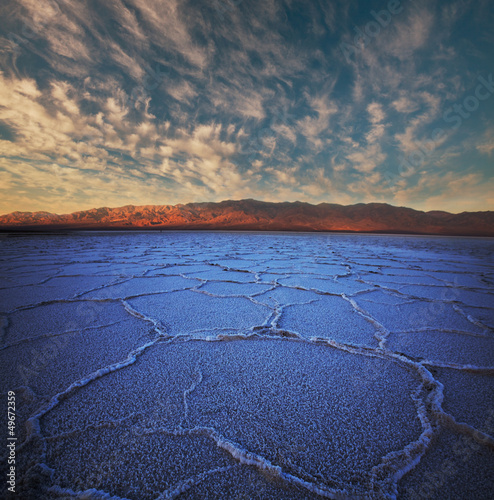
[{"x": 249, "y": 365}]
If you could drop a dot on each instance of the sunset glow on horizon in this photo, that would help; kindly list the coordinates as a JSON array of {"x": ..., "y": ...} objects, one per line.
[{"x": 142, "y": 102}]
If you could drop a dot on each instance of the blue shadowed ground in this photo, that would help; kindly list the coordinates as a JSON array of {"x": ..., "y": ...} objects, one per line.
[{"x": 249, "y": 365}]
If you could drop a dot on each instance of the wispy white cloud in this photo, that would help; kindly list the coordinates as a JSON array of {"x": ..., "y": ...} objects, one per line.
[
  {"x": 366, "y": 159},
  {"x": 412, "y": 33},
  {"x": 405, "y": 105},
  {"x": 376, "y": 112},
  {"x": 409, "y": 139},
  {"x": 315, "y": 128}
]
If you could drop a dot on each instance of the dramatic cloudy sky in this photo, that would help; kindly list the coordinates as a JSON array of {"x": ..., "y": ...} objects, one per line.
[{"x": 115, "y": 102}]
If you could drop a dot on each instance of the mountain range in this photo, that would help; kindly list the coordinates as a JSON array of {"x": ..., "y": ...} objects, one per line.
[{"x": 261, "y": 216}]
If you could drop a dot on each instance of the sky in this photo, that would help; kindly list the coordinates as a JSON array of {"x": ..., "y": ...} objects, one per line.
[{"x": 141, "y": 102}]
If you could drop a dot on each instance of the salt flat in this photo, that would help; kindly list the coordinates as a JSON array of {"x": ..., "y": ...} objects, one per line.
[{"x": 160, "y": 365}]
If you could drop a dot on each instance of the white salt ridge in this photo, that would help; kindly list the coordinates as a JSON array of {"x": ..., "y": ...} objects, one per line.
[
  {"x": 139, "y": 315},
  {"x": 177, "y": 490},
  {"x": 248, "y": 458},
  {"x": 233, "y": 291},
  {"x": 90, "y": 494},
  {"x": 33, "y": 423},
  {"x": 479, "y": 436},
  {"x": 58, "y": 334},
  {"x": 381, "y": 332},
  {"x": 487, "y": 370},
  {"x": 470, "y": 318},
  {"x": 188, "y": 391}
]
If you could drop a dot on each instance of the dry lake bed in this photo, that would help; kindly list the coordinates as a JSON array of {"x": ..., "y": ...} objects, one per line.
[{"x": 215, "y": 365}]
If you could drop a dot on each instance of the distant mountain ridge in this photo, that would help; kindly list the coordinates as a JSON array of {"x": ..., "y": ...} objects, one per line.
[{"x": 261, "y": 216}]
